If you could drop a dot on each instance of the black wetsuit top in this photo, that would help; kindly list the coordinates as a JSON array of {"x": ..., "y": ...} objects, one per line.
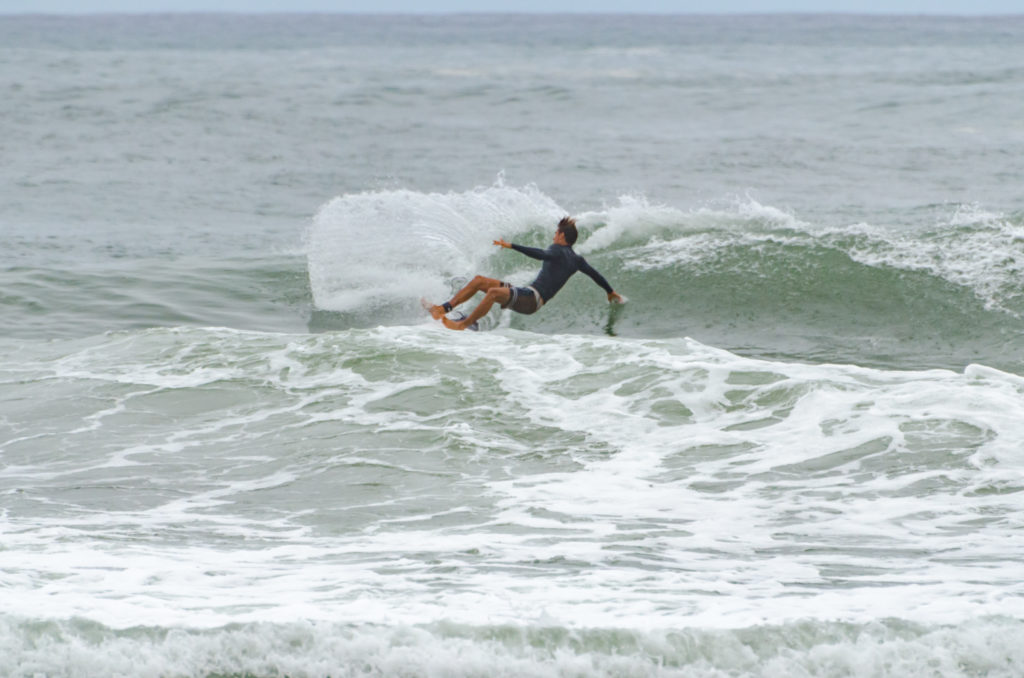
[{"x": 560, "y": 262}]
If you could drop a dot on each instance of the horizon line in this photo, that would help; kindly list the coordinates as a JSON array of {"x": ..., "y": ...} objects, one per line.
[{"x": 469, "y": 12}]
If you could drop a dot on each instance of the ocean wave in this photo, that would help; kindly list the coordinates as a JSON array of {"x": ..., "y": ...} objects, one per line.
[
  {"x": 355, "y": 240},
  {"x": 78, "y": 648},
  {"x": 970, "y": 248},
  {"x": 744, "y": 276}
]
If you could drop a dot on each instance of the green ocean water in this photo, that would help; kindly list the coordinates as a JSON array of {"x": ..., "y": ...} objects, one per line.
[{"x": 747, "y": 278}]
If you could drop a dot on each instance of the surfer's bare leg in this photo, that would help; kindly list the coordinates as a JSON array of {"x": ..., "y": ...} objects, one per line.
[
  {"x": 479, "y": 283},
  {"x": 495, "y": 295}
]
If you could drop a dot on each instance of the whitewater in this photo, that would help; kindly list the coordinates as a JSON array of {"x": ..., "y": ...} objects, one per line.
[{"x": 233, "y": 444}]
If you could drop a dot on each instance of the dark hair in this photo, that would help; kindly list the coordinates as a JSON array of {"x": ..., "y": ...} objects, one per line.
[{"x": 567, "y": 227}]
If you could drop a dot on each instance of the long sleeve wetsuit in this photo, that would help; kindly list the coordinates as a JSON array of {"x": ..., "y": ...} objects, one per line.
[{"x": 560, "y": 263}]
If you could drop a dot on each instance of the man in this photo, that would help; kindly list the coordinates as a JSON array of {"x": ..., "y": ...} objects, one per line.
[{"x": 560, "y": 263}]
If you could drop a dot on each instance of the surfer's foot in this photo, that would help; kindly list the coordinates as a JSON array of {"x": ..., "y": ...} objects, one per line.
[
  {"x": 453, "y": 324},
  {"x": 437, "y": 312}
]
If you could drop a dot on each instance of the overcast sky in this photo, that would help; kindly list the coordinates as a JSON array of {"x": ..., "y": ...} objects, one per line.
[{"x": 434, "y": 6}]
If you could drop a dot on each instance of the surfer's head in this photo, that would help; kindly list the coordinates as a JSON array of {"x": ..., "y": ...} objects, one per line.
[{"x": 567, "y": 228}]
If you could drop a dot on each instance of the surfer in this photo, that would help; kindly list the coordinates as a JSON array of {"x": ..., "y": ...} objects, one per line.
[{"x": 560, "y": 263}]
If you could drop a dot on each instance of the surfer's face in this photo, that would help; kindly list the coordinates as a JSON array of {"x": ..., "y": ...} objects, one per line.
[{"x": 560, "y": 238}]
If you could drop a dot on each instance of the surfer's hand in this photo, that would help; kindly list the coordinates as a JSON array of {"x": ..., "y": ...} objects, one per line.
[
  {"x": 616, "y": 298},
  {"x": 502, "y": 243}
]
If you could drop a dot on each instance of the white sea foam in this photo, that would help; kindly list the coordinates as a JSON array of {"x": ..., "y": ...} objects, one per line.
[
  {"x": 633, "y": 219},
  {"x": 990, "y": 647},
  {"x": 980, "y": 251},
  {"x": 390, "y": 245},
  {"x": 509, "y": 478}
]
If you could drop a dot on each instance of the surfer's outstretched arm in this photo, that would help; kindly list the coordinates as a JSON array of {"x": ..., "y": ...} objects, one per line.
[
  {"x": 613, "y": 296},
  {"x": 532, "y": 252}
]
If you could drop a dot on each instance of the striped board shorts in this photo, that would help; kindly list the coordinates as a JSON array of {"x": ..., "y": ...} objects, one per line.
[{"x": 525, "y": 300}]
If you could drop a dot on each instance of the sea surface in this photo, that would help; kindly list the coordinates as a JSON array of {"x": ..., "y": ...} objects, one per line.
[{"x": 233, "y": 445}]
